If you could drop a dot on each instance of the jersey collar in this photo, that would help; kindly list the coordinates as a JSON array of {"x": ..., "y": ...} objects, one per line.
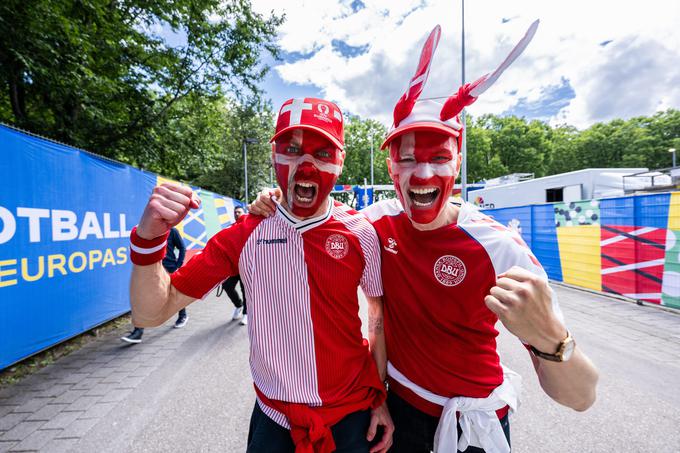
[{"x": 306, "y": 224}]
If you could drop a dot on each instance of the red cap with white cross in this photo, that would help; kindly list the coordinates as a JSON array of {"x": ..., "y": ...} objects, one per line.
[{"x": 313, "y": 114}]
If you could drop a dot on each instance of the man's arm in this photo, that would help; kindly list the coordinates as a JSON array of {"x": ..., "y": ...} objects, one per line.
[
  {"x": 380, "y": 416},
  {"x": 376, "y": 335},
  {"x": 523, "y": 302},
  {"x": 572, "y": 383},
  {"x": 371, "y": 284},
  {"x": 152, "y": 298}
]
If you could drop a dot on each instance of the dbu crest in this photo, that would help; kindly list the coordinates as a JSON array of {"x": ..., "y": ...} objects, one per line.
[
  {"x": 449, "y": 270},
  {"x": 337, "y": 246}
]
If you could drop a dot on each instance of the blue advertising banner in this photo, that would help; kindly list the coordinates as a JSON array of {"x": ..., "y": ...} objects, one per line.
[{"x": 65, "y": 219}]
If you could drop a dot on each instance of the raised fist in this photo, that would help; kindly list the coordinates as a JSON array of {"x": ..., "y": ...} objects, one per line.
[
  {"x": 168, "y": 205},
  {"x": 523, "y": 302}
]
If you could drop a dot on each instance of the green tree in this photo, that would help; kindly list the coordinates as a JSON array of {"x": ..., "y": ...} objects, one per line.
[
  {"x": 664, "y": 133},
  {"x": 522, "y": 146},
  {"x": 254, "y": 121},
  {"x": 482, "y": 160},
  {"x": 98, "y": 74},
  {"x": 564, "y": 156},
  {"x": 606, "y": 144},
  {"x": 185, "y": 142},
  {"x": 359, "y": 134}
]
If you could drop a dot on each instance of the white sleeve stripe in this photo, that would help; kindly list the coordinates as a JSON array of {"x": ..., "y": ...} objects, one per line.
[
  {"x": 148, "y": 251},
  {"x": 371, "y": 279}
]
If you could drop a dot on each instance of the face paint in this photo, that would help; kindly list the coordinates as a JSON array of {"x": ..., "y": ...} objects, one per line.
[
  {"x": 424, "y": 169},
  {"x": 307, "y": 167}
]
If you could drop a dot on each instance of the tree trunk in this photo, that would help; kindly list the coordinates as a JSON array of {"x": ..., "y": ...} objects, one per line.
[{"x": 17, "y": 96}]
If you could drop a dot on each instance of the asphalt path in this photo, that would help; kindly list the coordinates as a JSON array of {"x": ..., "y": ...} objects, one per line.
[
  {"x": 201, "y": 399},
  {"x": 637, "y": 352},
  {"x": 190, "y": 389}
]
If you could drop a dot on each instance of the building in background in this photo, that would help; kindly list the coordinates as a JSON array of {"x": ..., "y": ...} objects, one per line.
[{"x": 518, "y": 189}]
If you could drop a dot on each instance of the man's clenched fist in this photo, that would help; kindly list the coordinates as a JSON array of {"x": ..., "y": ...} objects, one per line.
[
  {"x": 168, "y": 205},
  {"x": 523, "y": 302}
]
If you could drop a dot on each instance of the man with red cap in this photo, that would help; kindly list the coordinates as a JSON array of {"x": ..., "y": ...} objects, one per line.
[
  {"x": 318, "y": 388},
  {"x": 449, "y": 274}
]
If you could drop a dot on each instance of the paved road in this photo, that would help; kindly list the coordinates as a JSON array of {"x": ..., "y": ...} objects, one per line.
[
  {"x": 190, "y": 389},
  {"x": 637, "y": 350}
]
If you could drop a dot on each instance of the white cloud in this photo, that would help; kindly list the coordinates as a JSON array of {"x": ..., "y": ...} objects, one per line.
[{"x": 636, "y": 74}]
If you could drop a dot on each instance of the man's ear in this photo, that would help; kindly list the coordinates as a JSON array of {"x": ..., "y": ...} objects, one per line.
[
  {"x": 389, "y": 167},
  {"x": 342, "y": 161}
]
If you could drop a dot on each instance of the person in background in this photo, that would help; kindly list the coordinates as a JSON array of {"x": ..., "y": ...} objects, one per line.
[
  {"x": 171, "y": 263},
  {"x": 229, "y": 285}
]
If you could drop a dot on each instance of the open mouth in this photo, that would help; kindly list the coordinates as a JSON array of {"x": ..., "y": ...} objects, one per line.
[
  {"x": 305, "y": 192},
  {"x": 423, "y": 197}
]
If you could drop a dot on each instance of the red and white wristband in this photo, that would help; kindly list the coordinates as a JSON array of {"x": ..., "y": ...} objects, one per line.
[{"x": 147, "y": 251}]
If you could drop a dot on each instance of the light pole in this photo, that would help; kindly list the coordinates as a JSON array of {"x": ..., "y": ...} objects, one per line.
[
  {"x": 672, "y": 150},
  {"x": 463, "y": 153},
  {"x": 245, "y": 164},
  {"x": 372, "y": 180}
]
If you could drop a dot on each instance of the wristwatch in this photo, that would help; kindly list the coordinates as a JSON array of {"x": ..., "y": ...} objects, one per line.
[{"x": 564, "y": 350}]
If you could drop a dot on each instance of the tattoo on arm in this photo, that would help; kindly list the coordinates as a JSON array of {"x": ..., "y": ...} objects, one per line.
[{"x": 375, "y": 325}]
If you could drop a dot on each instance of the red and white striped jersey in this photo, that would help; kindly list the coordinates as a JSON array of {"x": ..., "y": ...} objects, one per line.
[
  {"x": 301, "y": 278},
  {"x": 439, "y": 332}
]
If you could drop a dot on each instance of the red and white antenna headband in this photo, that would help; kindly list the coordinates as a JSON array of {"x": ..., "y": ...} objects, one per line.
[
  {"x": 407, "y": 100},
  {"x": 410, "y": 114}
]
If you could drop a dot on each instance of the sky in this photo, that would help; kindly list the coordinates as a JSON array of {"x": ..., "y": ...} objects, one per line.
[{"x": 590, "y": 61}]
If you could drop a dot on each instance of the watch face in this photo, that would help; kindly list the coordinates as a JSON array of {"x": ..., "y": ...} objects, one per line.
[{"x": 568, "y": 350}]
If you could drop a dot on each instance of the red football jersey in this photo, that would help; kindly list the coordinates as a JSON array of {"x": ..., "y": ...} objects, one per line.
[
  {"x": 439, "y": 332},
  {"x": 301, "y": 278}
]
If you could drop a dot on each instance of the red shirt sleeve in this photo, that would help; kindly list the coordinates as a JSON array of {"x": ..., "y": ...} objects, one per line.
[{"x": 217, "y": 261}]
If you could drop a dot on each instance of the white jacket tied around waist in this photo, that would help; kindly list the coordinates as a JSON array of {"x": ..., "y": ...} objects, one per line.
[{"x": 478, "y": 420}]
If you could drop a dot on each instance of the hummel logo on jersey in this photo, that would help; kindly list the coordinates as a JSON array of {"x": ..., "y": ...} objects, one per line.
[
  {"x": 271, "y": 241},
  {"x": 391, "y": 246}
]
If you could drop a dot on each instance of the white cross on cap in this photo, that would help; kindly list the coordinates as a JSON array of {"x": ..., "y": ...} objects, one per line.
[{"x": 295, "y": 108}]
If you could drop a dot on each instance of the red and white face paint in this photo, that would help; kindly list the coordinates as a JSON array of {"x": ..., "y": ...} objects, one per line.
[
  {"x": 424, "y": 168},
  {"x": 307, "y": 166}
]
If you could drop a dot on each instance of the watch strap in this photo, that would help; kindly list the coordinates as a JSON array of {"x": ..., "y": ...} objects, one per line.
[
  {"x": 543, "y": 355},
  {"x": 558, "y": 356}
]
